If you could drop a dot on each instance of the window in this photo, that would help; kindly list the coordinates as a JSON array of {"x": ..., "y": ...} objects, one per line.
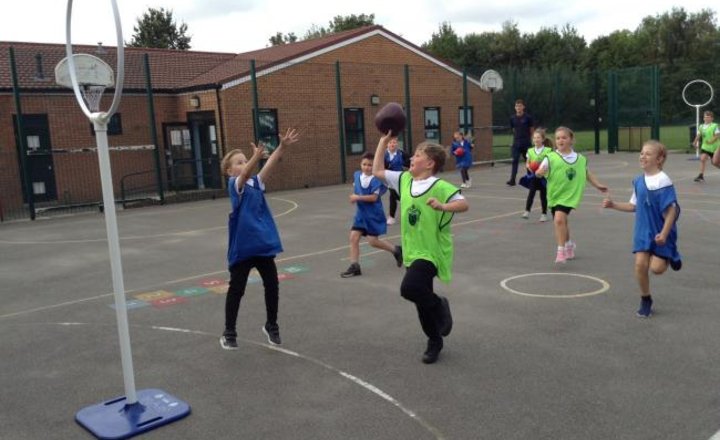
[
  {"x": 268, "y": 128},
  {"x": 461, "y": 120},
  {"x": 114, "y": 125},
  {"x": 354, "y": 131},
  {"x": 432, "y": 123}
]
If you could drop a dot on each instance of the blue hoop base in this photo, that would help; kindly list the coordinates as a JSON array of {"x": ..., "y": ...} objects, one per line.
[{"x": 115, "y": 419}]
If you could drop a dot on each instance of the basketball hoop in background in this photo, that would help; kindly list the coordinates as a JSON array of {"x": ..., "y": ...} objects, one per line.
[
  {"x": 93, "y": 77},
  {"x": 135, "y": 412},
  {"x": 491, "y": 81},
  {"x": 697, "y": 107}
]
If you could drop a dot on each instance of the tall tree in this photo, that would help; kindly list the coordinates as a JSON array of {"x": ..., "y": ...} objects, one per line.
[
  {"x": 345, "y": 23},
  {"x": 157, "y": 28},
  {"x": 445, "y": 43}
]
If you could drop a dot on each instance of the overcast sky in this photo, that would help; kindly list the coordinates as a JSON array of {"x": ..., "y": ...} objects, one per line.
[{"x": 244, "y": 25}]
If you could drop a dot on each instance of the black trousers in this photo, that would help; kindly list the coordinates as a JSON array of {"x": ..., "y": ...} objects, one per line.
[
  {"x": 535, "y": 185},
  {"x": 394, "y": 197},
  {"x": 517, "y": 152},
  {"x": 417, "y": 287},
  {"x": 238, "y": 281},
  {"x": 464, "y": 174}
]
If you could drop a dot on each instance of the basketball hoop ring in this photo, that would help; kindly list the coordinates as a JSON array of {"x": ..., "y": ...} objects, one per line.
[
  {"x": 91, "y": 92},
  {"x": 697, "y": 107}
]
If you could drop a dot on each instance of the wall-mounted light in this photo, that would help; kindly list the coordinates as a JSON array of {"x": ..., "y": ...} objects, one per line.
[
  {"x": 195, "y": 101},
  {"x": 374, "y": 99}
]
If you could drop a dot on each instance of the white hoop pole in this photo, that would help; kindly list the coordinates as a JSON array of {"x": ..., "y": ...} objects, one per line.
[
  {"x": 99, "y": 121},
  {"x": 697, "y": 107}
]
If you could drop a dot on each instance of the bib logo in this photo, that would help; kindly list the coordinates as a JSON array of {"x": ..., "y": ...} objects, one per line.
[
  {"x": 570, "y": 173},
  {"x": 413, "y": 215}
]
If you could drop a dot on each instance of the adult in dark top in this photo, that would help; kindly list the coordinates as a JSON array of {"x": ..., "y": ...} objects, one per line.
[{"x": 522, "y": 125}]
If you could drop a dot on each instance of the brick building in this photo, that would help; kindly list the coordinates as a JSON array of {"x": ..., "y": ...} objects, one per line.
[{"x": 205, "y": 104}]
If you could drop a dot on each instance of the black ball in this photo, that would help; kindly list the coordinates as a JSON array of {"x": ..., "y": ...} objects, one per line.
[{"x": 390, "y": 118}]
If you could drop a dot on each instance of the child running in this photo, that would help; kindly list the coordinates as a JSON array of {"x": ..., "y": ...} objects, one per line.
[
  {"x": 567, "y": 174},
  {"x": 369, "y": 218},
  {"x": 708, "y": 139},
  {"x": 395, "y": 160},
  {"x": 654, "y": 203},
  {"x": 427, "y": 206},
  {"x": 535, "y": 156},
  {"x": 253, "y": 237},
  {"x": 461, "y": 149}
]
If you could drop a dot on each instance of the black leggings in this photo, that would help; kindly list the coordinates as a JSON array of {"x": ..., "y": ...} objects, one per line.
[
  {"x": 536, "y": 184},
  {"x": 417, "y": 287},
  {"x": 464, "y": 174},
  {"x": 394, "y": 197},
  {"x": 238, "y": 281}
]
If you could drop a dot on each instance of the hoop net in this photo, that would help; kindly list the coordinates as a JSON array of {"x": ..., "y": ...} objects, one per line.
[{"x": 92, "y": 94}]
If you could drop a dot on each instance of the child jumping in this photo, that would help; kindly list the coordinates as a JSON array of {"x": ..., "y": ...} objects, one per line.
[
  {"x": 708, "y": 139},
  {"x": 369, "y": 218},
  {"x": 535, "y": 156},
  {"x": 253, "y": 237},
  {"x": 395, "y": 160},
  {"x": 427, "y": 206},
  {"x": 567, "y": 174},
  {"x": 654, "y": 203},
  {"x": 461, "y": 149}
]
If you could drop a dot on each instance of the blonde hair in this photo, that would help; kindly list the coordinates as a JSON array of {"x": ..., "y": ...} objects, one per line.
[
  {"x": 542, "y": 132},
  {"x": 225, "y": 164},
  {"x": 435, "y": 152},
  {"x": 566, "y": 130},
  {"x": 660, "y": 148}
]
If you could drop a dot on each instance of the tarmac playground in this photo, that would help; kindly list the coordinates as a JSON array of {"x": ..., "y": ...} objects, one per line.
[{"x": 538, "y": 350}]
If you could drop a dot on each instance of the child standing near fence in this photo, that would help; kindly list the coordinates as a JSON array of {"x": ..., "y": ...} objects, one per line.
[
  {"x": 654, "y": 203},
  {"x": 567, "y": 174},
  {"x": 535, "y": 156},
  {"x": 369, "y": 218},
  {"x": 253, "y": 237},
  {"x": 461, "y": 149}
]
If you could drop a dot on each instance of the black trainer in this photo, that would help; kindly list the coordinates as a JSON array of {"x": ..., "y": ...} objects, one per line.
[
  {"x": 397, "y": 253},
  {"x": 446, "y": 321},
  {"x": 510, "y": 183},
  {"x": 353, "y": 270},
  {"x": 272, "y": 331},
  {"x": 699, "y": 178},
  {"x": 676, "y": 264},
  {"x": 228, "y": 343},
  {"x": 432, "y": 353}
]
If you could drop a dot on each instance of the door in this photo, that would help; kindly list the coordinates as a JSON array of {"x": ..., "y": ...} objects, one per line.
[
  {"x": 39, "y": 157},
  {"x": 179, "y": 157},
  {"x": 203, "y": 133}
]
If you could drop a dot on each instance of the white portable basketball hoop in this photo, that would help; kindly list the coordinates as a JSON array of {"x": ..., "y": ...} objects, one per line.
[
  {"x": 491, "y": 81},
  {"x": 697, "y": 106},
  {"x": 148, "y": 409},
  {"x": 93, "y": 76}
]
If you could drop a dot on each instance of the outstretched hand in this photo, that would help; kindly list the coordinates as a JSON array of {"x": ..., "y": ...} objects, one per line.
[
  {"x": 291, "y": 136},
  {"x": 385, "y": 139}
]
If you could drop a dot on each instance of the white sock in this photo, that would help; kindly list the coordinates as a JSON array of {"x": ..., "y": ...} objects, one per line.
[{"x": 561, "y": 248}]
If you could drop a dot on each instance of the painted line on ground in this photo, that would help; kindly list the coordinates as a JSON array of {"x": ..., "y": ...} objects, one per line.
[
  {"x": 605, "y": 286},
  {"x": 367, "y": 386},
  {"x": 145, "y": 237}
]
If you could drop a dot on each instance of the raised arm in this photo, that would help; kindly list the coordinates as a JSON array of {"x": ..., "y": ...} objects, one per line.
[
  {"x": 250, "y": 166},
  {"x": 291, "y": 136},
  {"x": 379, "y": 159}
]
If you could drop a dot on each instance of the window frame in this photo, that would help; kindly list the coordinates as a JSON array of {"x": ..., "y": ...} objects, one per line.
[
  {"x": 358, "y": 131},
  {"x": 437, "y": 127}
]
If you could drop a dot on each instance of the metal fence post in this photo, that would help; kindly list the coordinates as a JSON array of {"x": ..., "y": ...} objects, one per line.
[
  {"x": 27, "y": 180},
  {"x": 408, "y": 113},
  {"x": 153, "y": 129},
  {"x": 341, "y": 125}
]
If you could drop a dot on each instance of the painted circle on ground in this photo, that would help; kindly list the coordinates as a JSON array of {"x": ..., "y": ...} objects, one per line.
[{"x": 604, "y": 285}]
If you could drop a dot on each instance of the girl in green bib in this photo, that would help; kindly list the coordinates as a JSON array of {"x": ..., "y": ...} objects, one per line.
[
  {"x": 427, "y": 206},
  {"x": 566, "y": 173},
  {"x": 708, "y": 139},
  {"x": 535, "y": 155}
]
